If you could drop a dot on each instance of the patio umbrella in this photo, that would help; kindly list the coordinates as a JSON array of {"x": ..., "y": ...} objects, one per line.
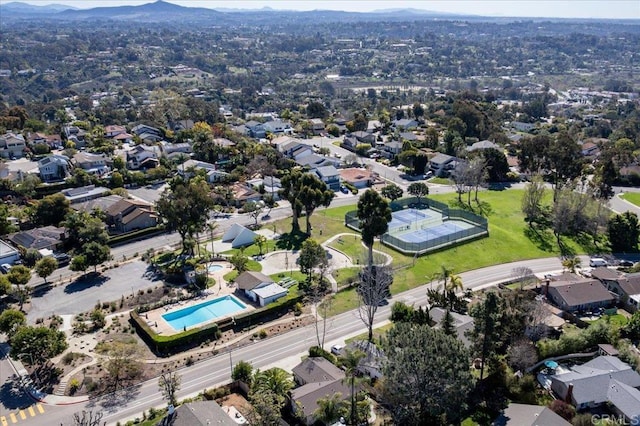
[{"x": 551, "y": 364}]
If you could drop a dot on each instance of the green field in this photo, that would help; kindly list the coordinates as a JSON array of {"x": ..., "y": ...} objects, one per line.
[
  {"x": 632, "y": 197},
  {"x": 509, "y": 240}
]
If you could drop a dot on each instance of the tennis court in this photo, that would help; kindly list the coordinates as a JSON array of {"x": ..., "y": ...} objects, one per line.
[
  {"x": 434, "y": 232},
  {"x": 409, "y": 219}
]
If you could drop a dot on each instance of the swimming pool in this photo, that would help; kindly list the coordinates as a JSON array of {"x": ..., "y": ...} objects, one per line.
[
  {"x": 214, "y": 268},
  {"x": 203, "y": 312}
]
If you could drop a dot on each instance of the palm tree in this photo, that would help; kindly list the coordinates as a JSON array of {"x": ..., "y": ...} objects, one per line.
[
  {"x": 260, "y": 240},
  {"x": 374, "y": 214},
  {"x": 350, "y": 361},
  {"x": 443, "y": 275},
  {"x": 330, "y": 408},
  {"x": 275, "y": 380},
  {"x": 455, "y": 283},
  {"x": 571, "y": 263}
]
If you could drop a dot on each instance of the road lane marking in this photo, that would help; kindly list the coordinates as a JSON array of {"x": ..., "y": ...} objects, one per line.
[
  {"x": 32, "y": 412},
  {"x": 13, "y": 418},
  {"x": 23, "y": 416},
  {"x": 3, "y": 420},
  {"x": 40, "y": 408}
]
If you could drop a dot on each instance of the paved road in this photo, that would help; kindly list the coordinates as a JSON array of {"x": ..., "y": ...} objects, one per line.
[{"x": 274, "y": 351}]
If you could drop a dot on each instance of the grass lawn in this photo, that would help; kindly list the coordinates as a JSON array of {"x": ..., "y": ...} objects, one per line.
[
  {"x": 509, "y": 240},
  {"x": 377, "y": 334},
  {"x": 440, "y": 181},
  {"x": 632, "y": 197},
  {"x": 618, "y": 320}
]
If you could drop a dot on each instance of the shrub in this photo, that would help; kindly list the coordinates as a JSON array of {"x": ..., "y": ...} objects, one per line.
[
  {"x": 297, "y": 309},
  {"x": 68, "y": 358},
  {"x": 74, "y": 385},
  {"x": 263, "y": 334},
  {"x": 317, "y": 351}
]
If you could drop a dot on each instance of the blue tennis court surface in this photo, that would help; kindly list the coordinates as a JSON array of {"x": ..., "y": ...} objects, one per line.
[
  {"x": 431, "y": 233},
  {"x": 405, "y": 218}
]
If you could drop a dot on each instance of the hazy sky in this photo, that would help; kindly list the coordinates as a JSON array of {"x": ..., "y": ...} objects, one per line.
[{"x": 625, "y": 9}]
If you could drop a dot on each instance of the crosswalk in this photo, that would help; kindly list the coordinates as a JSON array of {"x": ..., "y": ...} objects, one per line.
[{"x": 15, "y": 417}]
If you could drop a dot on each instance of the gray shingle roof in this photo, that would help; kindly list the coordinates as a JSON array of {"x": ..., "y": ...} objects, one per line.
[{"x": 317, "y": 369}]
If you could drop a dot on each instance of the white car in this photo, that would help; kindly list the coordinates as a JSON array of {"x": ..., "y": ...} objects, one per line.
[
  {"x": 336, "y": 349},
  {"x": 596, "y": 262}
]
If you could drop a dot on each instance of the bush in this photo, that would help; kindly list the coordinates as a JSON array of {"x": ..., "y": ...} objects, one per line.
[
  {"x": 74, "y": 385},
  {"x": 316, "y": 351},
  {"x": 263, "y": 334}
]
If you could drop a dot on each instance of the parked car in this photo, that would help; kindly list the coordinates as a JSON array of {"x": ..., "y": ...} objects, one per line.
[
  {"x": 5, "y": 268},
  {"x": 344, "y": 189},
  {"x": 336, "y": 349},
  {"x": 626, "y": 263},
  {"x": 337, "y": 155},
  {"x": 62, "y": 258},
  {"x": 596, "y": 262}
]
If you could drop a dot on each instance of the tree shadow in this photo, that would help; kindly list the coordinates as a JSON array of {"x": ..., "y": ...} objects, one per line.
[
  {"x": 41, "y": 290},
  {"x": 566, "y": 250},
  {"x": 86, "y": 282},
  {"x": 585, "y": 241},
  {"x": 499, "y": 186},
  {"x": 291, "y": 240},
  {"x": 152, "y": 273},
  {"x": 113, "y": 401},
  {"x": 541, "y": 237},
  {"x": 13, "y": 395}
]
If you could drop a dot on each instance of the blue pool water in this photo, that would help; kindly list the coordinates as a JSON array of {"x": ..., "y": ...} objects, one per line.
[
  {"x": 202, "y": 312},
  {"x": 214, "y": 268}
]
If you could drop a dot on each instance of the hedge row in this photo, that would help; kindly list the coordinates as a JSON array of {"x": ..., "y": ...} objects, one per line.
[
  {"x": 257, "y": 316},
  {"x": 166, "y": 344}
]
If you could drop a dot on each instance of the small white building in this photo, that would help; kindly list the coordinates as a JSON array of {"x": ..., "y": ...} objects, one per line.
[
  {"x": 259, "y": 287},
  {"x": 8, "y": 254}
]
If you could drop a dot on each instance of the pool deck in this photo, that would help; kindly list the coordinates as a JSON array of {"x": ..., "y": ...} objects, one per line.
[{"x": 222, "y": 288}]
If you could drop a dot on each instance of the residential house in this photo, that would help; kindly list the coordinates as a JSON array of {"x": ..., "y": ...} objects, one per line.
[
  {"x": 589, "y": 149},
  {"x": 330, "y": 176},
  {"x": 374, "y": 358},
  {"x": 314, "y": 370},
  {"x": 95, "y": 164},
  {"x": 270, "y": 185},
  {"x": 529, "y": 415},
  {"x": 84, "y": 193},
  {"x": 360, "y": 178},
  {"x": 76, "y": 135},
  {"x": 597, "y": 382},
  {"x": 101, "y": 204},
  {"x": 123, "y": 138},
  {"x": 317, "y": 126},
  {"x": 190, "y": 167},
  {"x": 462, "y": 323},
  {"x": 53, "y": 141},
  {"x": 625, "y": 401},
  {"x": 364, "y": 137},
  {"x": 442, "y": 164},
  {"x": 405, "y": 124},
  {"x": 341, "y": 124},
  {"x": 259, "y": 287},
  {"x": 243, "y": 193},
  {"x": 626, "y": 288},
  {"x": 576, "y": 294},
  {"x": 294, "y": 148},
  {"x": 392, "y": 147},
  {"x": 12, "y": 145},
  {"x": 349, "y": 142},
  {"x": 485, "y": 144},
  {"x": 319, "y": 379},
  {"x": 408, "y": 136},
  {"x": 178, "y": 125},
  {"x": 143, "y": 157},
  {"x": 281, "y": 141},
  {"x": 256, "y": 129},
  {"x": 522, "y": 127},
  {"x": 631, "y": 172},
  {"x": 114, "y": 130},
  {"x": 374, "y": 126},
  {"x": 8, "y": 253},
  {"x": 54, "y": 167},
  {"x": 199, "y": 413},
  {"x": 224, "y": 142},
  {"x": 173, "y": 150},
  {"x": 147, "y": 134},
  {"x": 278, "y": 127},
  {"x": 314, "y": 161},
  {"x": 47, "y": 237},
  {"x": 130, "y": 215}
]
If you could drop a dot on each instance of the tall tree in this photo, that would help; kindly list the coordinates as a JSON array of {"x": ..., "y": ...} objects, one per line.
[
  {"x": 447, "y": 324},
  {"x": 486, "y": 328},
  {"x": 274, "y": 380},
  {"x": 169, "y": 384},
  {"x": 624, "y": 232},
  {"x": 350, "y": 361},
  {"x": 35, "y": 345},
  {"x": 45, "y": 267},
  {"x": 291, "y": 188},
  {"x": 6, "y": 226},
  {"x": 19, "y": 276},
  {"x": 373, "y": 290},
  {"x": 312, "y": 256},
  {"x": 11, "y": 320},
  {"x": 564, "y": 162},
  {"x": 185, "y": 208},
  {"x": 374, "y": 214},
  {"x": 418, "y": 190},
  {"x": 95, "y": 254},
  {"x": 313, "y": 193},
  {"x": 420, "y": 360},
  {"x": 532, "y": 206},
  {"x": 392, "y": 192}
]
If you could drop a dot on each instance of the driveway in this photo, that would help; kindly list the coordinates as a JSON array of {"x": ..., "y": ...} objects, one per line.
[{"x": 82, "y": 295}]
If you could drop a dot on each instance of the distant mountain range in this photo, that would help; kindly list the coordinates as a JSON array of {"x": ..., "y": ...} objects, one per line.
[{"x": 164, "y": 11}]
